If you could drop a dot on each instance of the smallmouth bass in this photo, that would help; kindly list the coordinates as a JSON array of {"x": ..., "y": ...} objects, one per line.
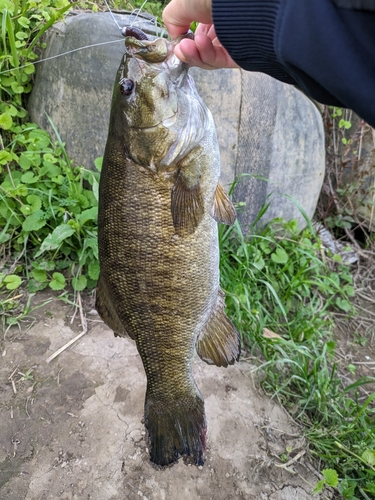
[{"x": 160, "y": 199}]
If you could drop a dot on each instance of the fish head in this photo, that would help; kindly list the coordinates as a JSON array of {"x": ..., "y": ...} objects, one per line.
[{"x": 156, "y": 108}]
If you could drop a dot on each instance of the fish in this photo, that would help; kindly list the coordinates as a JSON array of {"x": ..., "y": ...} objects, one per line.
[{"x": 160, "y": 201}]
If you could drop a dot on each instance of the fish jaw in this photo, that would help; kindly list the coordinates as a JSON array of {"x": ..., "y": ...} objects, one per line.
[{"x": 151, "y": 51}]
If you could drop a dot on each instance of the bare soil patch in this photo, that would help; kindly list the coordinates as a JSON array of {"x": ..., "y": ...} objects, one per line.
[{"x": 72, "y": 429}]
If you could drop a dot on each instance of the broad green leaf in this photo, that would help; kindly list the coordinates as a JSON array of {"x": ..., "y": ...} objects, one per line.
[
  {"x": 21, "y": 113},
  {"x": 89, "y": 214},
  {"x": 25, "y": 162},
  {"x": 26, "y": 209},
  {"x": 6, "y": 121},
  {"x": 17, "y": 89},
  {"x": 259, "y": 263},
  {"x": 54, "y": 240},
  {"x": 39, "y": 275},
  {"x": 23, "y": 21},
  {"x": 5, "y": 157},
  {"x": 93, "y": 244},
  {"x": 11, "y": 110},
  {"x": 369, "y": 456},
  {"x": 35, "y": 286},
  {"x": 20, "y": 190},
  {"x": 35, "y": 159},
  {"x": 79, "y": 283},
  {"x": 29, "y": 69},
  {"x": 331, "y": 477},
  {"x": 343, "y": 304},
  {"x": 98, "y": 162},
  {"x": 370, "y": 487},
  {"x": 44, "y": 265},
  {"x": 58, "y": 281},
  {"x": 35, "y": 202},
  {"x": 50, "y": 169},
  {"x": 40, "y": 138},
  {"x": 34, "y": 221},
  {"x": 4, "y": 237},
  {"x": 49, "y": 157},
  {"x": 29, "y": 178},
  {"x": 319, "y": 486},
  {"x": 93, "y": 269},
  {"x": 347, "y": 488},
  {"x": 12, "y": 281},
  {"x": 280, "y": 256},
  {"x": 21, "y": 35},
  {"x": 344, "y": 124},
  {"x": 8, "y": 5}
]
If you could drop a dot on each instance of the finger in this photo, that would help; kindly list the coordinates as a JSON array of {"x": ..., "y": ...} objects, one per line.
[
  {"x": 188, "y": 52},
  {"x": 206, "y": 49},
  {"x": 179, "y": 14},
  {"x": 212, "y": 52},
  {"x": 176, "y": 19},
  {"x": 203, "y": 29},
  {"x": 204, "y": 53}
]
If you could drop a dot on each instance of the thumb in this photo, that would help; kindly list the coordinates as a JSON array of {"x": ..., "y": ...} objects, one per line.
[{"x": 179, "y": 14}]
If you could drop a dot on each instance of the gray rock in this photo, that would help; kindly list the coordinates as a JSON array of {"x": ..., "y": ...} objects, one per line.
[{"x": 269, "y": 133}]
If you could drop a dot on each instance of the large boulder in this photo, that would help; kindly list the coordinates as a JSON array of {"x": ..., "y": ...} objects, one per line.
[{"x": 269, "y": 133}]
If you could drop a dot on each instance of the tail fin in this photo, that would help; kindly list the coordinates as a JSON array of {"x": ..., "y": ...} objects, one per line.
[{"x": 176, "y": 430}]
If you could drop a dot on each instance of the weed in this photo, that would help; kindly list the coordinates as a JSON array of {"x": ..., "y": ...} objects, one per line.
[
  {"x": 48, "y": 215},
  {"x": 280, "y": 295},
  {"x": 23, "y": 23},
  {"x": 26, "y": 376}
]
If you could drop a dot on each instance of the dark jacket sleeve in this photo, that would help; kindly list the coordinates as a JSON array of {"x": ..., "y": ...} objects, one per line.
[{"x": 325, "y": 47}]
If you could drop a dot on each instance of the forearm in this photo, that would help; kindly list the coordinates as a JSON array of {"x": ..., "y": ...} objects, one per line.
[{"x": 327, "y": 51}]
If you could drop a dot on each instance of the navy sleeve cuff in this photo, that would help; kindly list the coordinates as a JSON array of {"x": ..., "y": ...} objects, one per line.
[{"x": 246, "y": 28}]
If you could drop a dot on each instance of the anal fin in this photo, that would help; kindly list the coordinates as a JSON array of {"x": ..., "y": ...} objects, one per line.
[
  {"x": 107, "y": 312},
  {"x": 223, "y": 210},
  {"x": 219, "y": 343}
]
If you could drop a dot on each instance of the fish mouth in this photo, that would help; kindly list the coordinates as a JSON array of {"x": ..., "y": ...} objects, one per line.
[{"x": 150, "y": 51}]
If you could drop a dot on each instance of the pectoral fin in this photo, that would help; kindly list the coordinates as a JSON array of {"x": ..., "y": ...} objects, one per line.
[
  {"x": 107, "y": 312},
  {"x": 186, "y": 205},
  {"x": 219, "y": 343},
  {"x": 223, "y": 210}
]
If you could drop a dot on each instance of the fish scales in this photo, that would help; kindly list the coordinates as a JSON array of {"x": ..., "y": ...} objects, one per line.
[{"x": 158, "y": 243}]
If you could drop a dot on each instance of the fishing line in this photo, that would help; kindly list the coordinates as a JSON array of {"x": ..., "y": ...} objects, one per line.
[
  {"x": 62, "y": 54},
  {"x": 137, "y": 11},
  {"x": 113, "y": 17}
]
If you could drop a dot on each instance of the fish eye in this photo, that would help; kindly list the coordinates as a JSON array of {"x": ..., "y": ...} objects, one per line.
[{"x": 126, "y": 86}]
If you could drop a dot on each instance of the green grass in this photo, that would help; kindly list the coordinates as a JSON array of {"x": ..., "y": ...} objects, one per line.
[{"x": 281, "y": 295}]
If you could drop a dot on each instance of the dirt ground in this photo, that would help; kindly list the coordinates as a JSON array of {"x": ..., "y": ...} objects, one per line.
[{"x": 72, "y": 429}]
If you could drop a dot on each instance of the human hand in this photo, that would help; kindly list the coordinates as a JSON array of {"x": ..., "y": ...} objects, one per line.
[{"x": 205, "y": 50}]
